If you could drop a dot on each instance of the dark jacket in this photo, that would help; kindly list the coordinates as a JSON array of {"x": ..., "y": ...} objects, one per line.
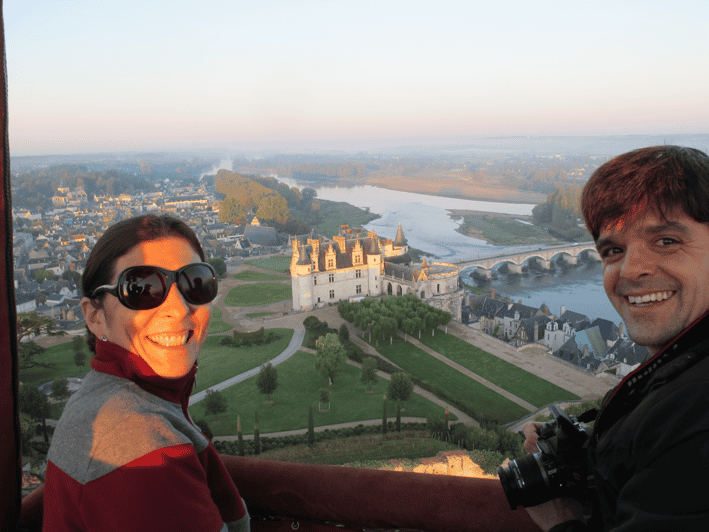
[{"x": 650, "y": 446}]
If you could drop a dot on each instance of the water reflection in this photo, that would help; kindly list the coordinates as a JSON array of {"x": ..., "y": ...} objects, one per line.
[{"x": 578, "y": 288}]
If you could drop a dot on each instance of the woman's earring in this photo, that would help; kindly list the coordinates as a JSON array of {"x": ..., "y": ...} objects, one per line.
[{"x": 103, "y": 338}]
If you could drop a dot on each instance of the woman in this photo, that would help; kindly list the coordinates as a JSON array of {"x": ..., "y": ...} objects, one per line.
[{"x": 126, "y": 454}]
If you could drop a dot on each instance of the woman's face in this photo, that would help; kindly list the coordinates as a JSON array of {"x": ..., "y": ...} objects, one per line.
[{"x": 170, "y": 337}]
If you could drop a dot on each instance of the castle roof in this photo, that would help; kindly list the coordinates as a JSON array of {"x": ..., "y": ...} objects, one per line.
[{"x": 400, "y": 240}]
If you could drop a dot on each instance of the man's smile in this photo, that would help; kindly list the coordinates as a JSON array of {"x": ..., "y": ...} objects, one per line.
[{"x": 650, "y": 298}]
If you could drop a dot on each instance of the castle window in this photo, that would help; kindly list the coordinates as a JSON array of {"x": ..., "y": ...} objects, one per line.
[
  {"x": 358, "y": 273},
  {"x": 315, "y": 280},
  {"x": 330, "y": 263},
  {"x": 331, "y": 278},
  {"x": 438, "y": 288},
  {"x": 332, "y": 294},
  {"x": 358, "y": 289}
]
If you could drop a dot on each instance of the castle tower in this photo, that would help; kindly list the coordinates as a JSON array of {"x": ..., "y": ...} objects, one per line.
[
  {"x": 400, "y": 240},
  {"x": 301, "y": 281}
]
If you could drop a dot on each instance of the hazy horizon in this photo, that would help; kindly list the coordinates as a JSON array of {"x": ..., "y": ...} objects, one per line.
[{"x": 303, "y": 76}]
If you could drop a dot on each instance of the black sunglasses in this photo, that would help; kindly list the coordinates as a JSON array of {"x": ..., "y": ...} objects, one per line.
[{"x": 146, "y": 287}]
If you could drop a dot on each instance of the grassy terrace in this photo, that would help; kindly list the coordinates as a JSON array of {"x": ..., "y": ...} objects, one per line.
[
  {"x": 62, "y": 356},
  {"x": 517, "y": 381},
  {"x": 217, "y": 362},
  {"x": 249, "y": 295},
  {"x": 278, "y": 264},
  {"x": 250, "y": 275},
  {"x": 298, "y": 388},
  {"x": 422, "y": 365},
  {"x": 216, "y": 324}
]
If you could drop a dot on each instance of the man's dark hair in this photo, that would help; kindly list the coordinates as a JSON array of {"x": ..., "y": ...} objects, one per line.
[
  {"x": 119, "y": 239},
  {"x": 659, "y": 178}
]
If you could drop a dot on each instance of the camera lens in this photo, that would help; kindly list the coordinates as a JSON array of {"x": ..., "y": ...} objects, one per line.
[{"x": 528, "y": 481}]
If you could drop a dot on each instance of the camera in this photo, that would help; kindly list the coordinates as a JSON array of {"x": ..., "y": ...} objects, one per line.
[{"x": 559, "y": 469}]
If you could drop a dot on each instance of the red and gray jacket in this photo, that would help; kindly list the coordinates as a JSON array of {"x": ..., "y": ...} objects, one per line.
[{"x": 126, "y": 456}]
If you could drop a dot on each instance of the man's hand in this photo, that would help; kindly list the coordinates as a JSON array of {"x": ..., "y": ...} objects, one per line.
[
  {"x": 555, "y": 512},
  {"x": 531, "y": 434}
]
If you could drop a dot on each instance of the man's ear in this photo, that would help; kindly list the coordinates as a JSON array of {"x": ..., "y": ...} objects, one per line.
[{"x": 94, "y": 316}]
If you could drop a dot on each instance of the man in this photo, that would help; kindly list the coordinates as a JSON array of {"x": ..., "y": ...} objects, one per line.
[{"x": 648, "y": 212}]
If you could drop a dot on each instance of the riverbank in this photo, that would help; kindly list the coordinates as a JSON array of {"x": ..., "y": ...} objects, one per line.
[
  {"x": 461, "y": 187},
  {"x": 500, "y": 229}
]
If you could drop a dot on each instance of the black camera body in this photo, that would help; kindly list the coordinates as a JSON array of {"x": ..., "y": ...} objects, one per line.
[{"x": 559, "y": 469}]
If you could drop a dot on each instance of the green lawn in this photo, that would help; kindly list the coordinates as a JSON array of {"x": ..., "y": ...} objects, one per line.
[
  {"x": 250, "y": 275},
  {"x": 62, "y": 358},
  {"x": 517, "y": 381},
  {"x": 216, "y": 324},
  {"x": 218, "y": 363},
  {"x": 249, "y": 295},
  {"x": 278, "y": 264},
  {"x": 422, "y": 365},
  {"x": 298, "y": 388}
]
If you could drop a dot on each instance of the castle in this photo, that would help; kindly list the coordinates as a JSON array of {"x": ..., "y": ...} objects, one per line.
[{"x": 356, "y": 264}]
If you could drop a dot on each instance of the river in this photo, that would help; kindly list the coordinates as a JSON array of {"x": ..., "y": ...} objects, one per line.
[{"x": 428, "y": 226}]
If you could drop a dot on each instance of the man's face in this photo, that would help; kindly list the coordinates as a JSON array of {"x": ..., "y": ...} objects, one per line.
[{"x": 656, "y": 274}]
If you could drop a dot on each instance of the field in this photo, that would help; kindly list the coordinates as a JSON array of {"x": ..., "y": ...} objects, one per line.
[
  {"x": 277, "y": 264},
  {"x": 501, "y": 229},
  {"x": 217, "y": 362},
  {"x": 298, "y": 388},
  {"x": 250, "y": 295},
  {"x": 523, "y": 384},
  {"x": 250, "y": 275},
  {"x": 422, "y": 365},
  {"x": 216, "y": 324}
]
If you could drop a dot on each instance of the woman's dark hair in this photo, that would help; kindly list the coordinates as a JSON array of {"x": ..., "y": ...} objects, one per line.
[
  {"x": 659, "y": 178},
  {"x": 119, "y": 239}
]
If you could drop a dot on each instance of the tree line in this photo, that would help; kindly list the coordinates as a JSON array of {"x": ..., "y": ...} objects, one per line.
[
  {"x": 386, "y": 317},
  {"x": 560, "y": 214}
]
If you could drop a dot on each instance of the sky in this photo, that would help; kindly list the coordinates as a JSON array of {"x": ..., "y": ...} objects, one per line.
[{"x": 105, "y": 76}]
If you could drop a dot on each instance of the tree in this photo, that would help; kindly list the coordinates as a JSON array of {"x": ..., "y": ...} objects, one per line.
[
  {"x": 369, "y": 372},
  {"x": 215, "y": 402},
  {"x": 42, "y": 275},
  {"x": 398, "y": 416},
  {"x": 34, "y": 403},
  {"x": 27, "y": 351},
  {"x": 384, "y": 417},
  {"x": 267, "y": 380},
  {"x": 325, "y": 396},
  {"x": 77, "y": 343},
  {"x": 33, "y": 323},
  {"x": 231, "y": 209},
  {"x": 311, "y": 427},
  {"x": 60, "y": 388},
  {"x": 343, "y": 333},
  {"x": 71, "y": 275},
  {"x": 257, "y": 435},
  {"x": 218, "y": 264},
  {"x": 204, "y": 427},
  {"x": 400, "y": 387},
  {"x": 80, "y": 359},
  {"x": 240, "y": 436},
  {"x": 330, "y": 356}
]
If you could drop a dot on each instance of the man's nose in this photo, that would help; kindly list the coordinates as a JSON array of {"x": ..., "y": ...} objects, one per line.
[{"x": 638, "y": 261}]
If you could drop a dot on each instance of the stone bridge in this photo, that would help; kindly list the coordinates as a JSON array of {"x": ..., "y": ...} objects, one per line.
[{"x": 543, "y": 257}]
